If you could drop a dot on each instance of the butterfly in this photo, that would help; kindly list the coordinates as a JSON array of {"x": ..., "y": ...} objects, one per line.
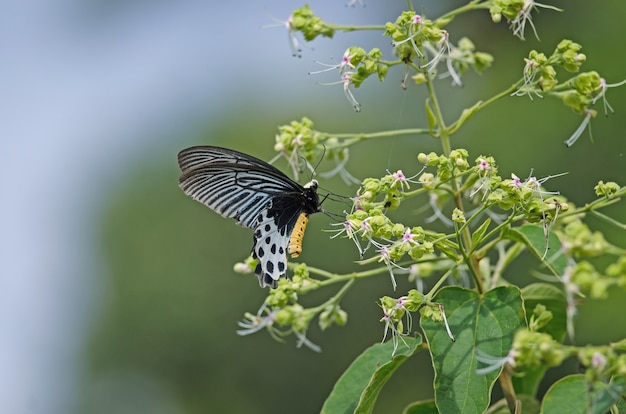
[{"x": 258, "y": 196}]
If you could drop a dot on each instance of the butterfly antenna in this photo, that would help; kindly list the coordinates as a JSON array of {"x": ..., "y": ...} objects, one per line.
[{"x": 314, "y": 168}]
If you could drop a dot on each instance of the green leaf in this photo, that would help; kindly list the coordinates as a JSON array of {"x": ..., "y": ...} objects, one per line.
[
  {"x": 535, "y": 240},
  {"x": 486, "y": 322},
  {"x": 573, "y": 395},
  {"x": 479, "y": 232},
  {"x": 554, "y": 300},
  {"x": 357, "y": 389},
  {"x": 421, "y": 407}
]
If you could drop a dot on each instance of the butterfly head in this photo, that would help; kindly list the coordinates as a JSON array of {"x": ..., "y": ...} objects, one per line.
[
  {"x": 312, "y": 201},
  {"x": 312, "y": 184}
]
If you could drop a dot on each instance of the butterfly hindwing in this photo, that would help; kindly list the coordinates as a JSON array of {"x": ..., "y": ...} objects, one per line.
[
  {"x": 253, "y": 192},
  {"x": 270, "y": 249}
]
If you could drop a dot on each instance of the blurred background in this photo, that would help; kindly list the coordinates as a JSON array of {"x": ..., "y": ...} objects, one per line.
[{"x": 117, "y": 293}]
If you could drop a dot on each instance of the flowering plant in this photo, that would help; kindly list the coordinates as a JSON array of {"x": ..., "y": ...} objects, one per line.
[{"x": 480, "y": 328}]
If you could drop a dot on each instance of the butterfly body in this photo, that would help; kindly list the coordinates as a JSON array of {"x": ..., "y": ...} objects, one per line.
[
  {"x": 295, "y": 241},
  {"x": 258, "y": 196}
]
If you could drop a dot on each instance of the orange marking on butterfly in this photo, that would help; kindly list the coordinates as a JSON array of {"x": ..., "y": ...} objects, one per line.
[{"x": 295, "y": 240}]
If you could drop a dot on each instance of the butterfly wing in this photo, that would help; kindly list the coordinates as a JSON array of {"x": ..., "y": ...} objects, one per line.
[
  {"x": 270, "y": 248},
  {"x": 256, "y": 194},
  {"x": 231, "y": 183},
  {"x": 190, "y": 158}
]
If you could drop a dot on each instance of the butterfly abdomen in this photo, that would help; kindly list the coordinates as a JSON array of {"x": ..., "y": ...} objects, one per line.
[{"x": 295, "y": 240}]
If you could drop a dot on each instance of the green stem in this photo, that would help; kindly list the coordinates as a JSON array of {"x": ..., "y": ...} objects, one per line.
[
  {"x": 333, "y": 278},
  {"x": 465, "y": 239},
  {"x": 342, "y": 28},
  {"x": 442, "y": 134},
  {"x": 435, "y": 288},
  {"x": 380, "y": 134},
  {"x": 608, "y": 219},
  {"x": 474, "y": 5},
  {"x": 335, "y": 299},
  {"x": 483, "y": 104}
]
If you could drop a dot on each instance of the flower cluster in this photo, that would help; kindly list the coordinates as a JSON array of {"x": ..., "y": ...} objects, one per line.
[
  {"x": 298, "y": 143},
  {"x": 305, "y": 21},
  {"x": 369, "y": 223},
  {"x": 395, "y": 311},
  {"x": 302, "y": 146},
  {"x": 579, "y": 92},
  {"x": 282, "y": 315},
  {"x": 414, "y": 36},
  {"x": 540, "y": 76},
  {"x": 517, "y": 13},
  {"x": 533, "y": 350},
  {"x": 410, "y": 32},
  {"x": 356, "y": 65}
]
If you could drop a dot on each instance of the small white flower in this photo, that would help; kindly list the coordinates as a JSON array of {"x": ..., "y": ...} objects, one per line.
[
  {"x": 254, "y": 323},
  {"x": 518, "y": 24},
  {"x": 396, "y": 335},
  {"x": 529, "y": 76}
]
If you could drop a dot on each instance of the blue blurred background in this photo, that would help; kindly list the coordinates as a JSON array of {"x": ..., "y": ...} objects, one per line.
[{"x": 116, "y": 291}]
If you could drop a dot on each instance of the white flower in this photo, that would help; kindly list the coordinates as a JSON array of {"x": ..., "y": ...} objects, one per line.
[{"x": 518, "y": 24}]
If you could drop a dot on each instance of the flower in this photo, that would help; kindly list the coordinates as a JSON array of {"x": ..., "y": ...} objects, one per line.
[
  {"x": 483, "y": 165},
  {"x": 598, "y": 360},
  {"x": 399, "y": 177},
  {"x": 385, "y": 257},
  {"x": 515, "y": 181},
  {"x": 303, "y": 340},
  {"x": 396, "y": 334},
  {"x": 602, "y": 94},
  {"x": 518, "y": 24},
  {"x": 413, "y": 30},
  {"x": 408, "y": 237},
  {"x": 529, "y": 77},
  {"x": 294, "y": 44},
  {"x": 255, "y": 323},
  {"x": 442, "y": 47},
  {"x": 348, "y": 227},
  {"x": 346, "y": 78},
  {"x": 346, "y": 61},
  {"x": 484, "y": 174}
]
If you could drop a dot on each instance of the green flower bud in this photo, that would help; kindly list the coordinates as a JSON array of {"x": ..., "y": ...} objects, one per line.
[
  {"x": 458, "y": 216},
  {"x": 606, "y": 189}
]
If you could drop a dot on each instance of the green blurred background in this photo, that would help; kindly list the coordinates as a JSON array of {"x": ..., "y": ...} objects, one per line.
[{"x": 157, "y": 333}]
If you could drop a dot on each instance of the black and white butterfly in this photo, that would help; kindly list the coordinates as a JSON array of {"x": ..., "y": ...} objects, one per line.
[{"x": 258, "y": 196}]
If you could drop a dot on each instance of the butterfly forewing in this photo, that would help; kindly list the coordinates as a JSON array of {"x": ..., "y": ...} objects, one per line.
[
  {"x": 193, "y": 157},
  {"x": 234, "y": 191},
  {"x": 256, "y": 194}
]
